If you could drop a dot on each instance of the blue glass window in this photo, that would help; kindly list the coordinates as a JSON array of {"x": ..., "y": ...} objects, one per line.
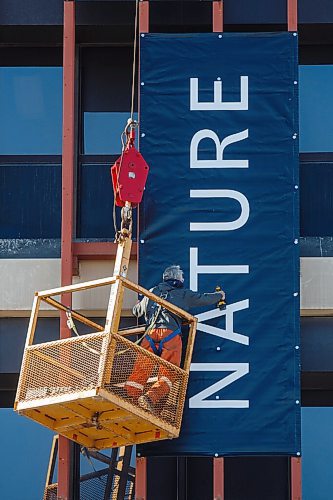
[
  {"x": 317, "y": 344},
  {"x": 106, "y": 77},
  {"x": 102, "y": 132},
  {"x": 95, "y": 218},
  {"x": 315, "y": 106},
  {"x": 30, "y": 204},
  {"x": 30, "y": 110},
  {"x": 317, "y": 451},
  {"x": 316, "y": 199},
  {"x": 27, "y": 447}
]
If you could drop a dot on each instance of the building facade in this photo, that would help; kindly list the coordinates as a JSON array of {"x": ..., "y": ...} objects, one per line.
[{"x": 31, "y": 83}]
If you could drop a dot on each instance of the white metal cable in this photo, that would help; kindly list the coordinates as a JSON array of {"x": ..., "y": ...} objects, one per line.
[
  {"x": 124, "y": 136},
  {"x": 134, "y": 56}
]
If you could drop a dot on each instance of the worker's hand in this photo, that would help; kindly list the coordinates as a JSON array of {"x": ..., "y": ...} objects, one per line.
[
  {"x": 221, "y": 303},
  {"x": 219, "y": 289}
]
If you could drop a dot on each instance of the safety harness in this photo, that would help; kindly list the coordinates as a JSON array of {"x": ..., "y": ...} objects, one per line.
[
  {"x": 158, "y": 347},
  {"x": 158, "y": 350}
]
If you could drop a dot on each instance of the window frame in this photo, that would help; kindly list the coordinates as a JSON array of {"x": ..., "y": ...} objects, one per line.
[{"x": 32, "y": 56}]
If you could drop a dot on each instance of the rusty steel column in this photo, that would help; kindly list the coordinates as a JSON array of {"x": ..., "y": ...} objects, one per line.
[
  {"x": 218, "y": 478},
  {"x": 141, "y": 462},
  {"x": 292, "y": 15},
  {"x": 217, "y": 16},
  {"x": 68, "y": 141},
  {"x": 295, "y": 462},
  {"x": 296, "y": 478},
  {"x": 144, "y": 16},
  {"x": 141, "y": 479},
  {"x": 218, "y": 463}
]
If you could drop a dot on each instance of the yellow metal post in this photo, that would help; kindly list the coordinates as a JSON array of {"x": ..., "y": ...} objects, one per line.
[{"x": 117, "y": 289}]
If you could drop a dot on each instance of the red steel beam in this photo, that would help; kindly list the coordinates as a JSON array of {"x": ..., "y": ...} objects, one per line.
[
  {"x": 68, "y": 145},
  {"x": 91, "y": 250},
  {"x": 144, "y": 16},
  {"x": 218, "y": 478},
  {"x": 296, "y": 478},
  {"x": 217, "y": 16},
  {"x": 218, "y": 463},
  {"x": 64, "y": 453},
  {"x": 141, "y": 479},
  {"x": 68, "y": 138},
  {"x": 292, "y": 15},
  {"x": 141, "y": 462}
]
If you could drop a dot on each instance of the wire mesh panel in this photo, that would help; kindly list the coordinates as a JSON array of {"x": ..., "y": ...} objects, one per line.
[
  {"x": 135, "y": 372},
  {"x": 61, "y": 367},
  {"x": 94, "y": 486},
  {"x": 85, "y": 388},
  {"x": 111, "y": 476},
  {"x": 51, "y": 492},
  {"x": 102, "y": 390}
]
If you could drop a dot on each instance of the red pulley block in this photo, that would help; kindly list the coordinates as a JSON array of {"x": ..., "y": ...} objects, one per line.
[{"x": 129, "y": 174}]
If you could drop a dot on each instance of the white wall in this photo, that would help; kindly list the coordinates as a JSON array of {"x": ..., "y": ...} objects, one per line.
[
  {"x": 317, "y": 284},
  {"x": 20, "y": 278}
]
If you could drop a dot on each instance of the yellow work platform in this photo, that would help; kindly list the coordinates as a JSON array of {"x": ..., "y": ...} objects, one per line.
[{"x": 76, "y": 386}]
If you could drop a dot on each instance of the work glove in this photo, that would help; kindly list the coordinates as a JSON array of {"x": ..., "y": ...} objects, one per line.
[{"x": 221, "y": 303}]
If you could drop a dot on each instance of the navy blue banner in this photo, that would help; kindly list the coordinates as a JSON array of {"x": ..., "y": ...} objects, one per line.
[{"x": 219, "y": 129}]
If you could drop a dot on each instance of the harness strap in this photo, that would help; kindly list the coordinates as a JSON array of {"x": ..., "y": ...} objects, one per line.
[{"x": 158, "y": 350}]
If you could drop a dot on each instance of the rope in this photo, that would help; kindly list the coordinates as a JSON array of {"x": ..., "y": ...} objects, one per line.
[
  {"x": 134, "y": 56},
  {"x": 123, "y": 145},
  {"x": 71, "y": 326},
  {"x": 150, "y": 327},
  {"x": 130, "y": 121}
]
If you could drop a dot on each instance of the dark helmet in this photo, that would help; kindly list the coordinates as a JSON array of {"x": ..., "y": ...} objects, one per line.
[{"x": 173, "y": 273}]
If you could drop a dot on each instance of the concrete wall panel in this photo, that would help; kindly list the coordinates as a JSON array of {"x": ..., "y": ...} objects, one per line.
[
  {"x": 317, "y": 283},
  {"x": 98, "y": 298},
  {"x": 20, "y": 278}
]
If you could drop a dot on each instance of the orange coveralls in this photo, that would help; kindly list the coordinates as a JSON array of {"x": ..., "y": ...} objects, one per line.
[
  {"x": 165, "y": 324},
  {"x": 141, "y": 371}
]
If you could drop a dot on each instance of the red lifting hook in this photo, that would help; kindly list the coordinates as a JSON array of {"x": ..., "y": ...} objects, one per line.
[{"x": 129, "y": 173}]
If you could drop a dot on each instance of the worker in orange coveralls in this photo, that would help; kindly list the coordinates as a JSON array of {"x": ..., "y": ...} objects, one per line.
[{"x": 164, "y": 338}]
